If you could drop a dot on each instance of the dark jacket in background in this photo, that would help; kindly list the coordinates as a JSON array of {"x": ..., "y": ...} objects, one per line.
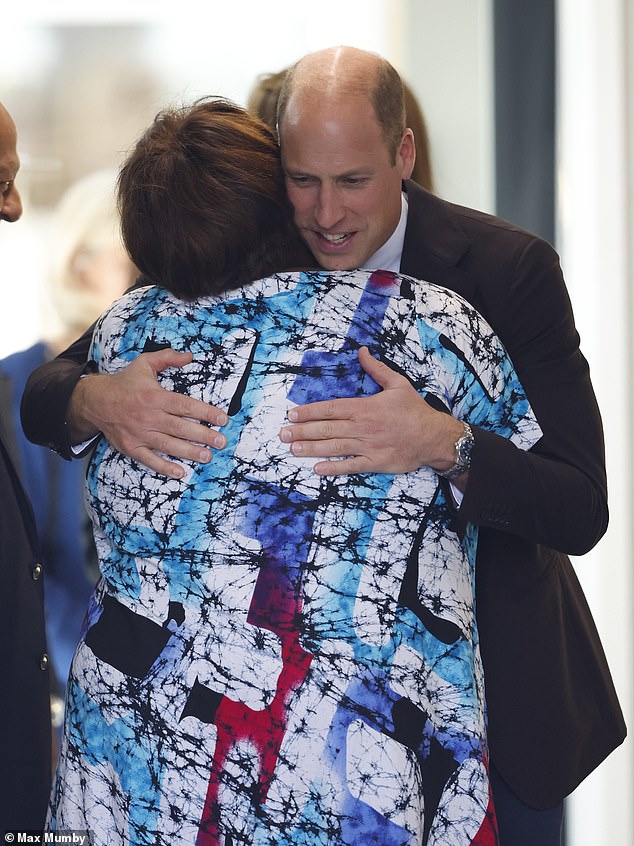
[
  {"x": 25, "y": 725},
  {"x": 55, "y": 489}
]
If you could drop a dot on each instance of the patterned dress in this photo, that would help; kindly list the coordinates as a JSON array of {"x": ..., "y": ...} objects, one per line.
[{"x": 273, "y": 657}]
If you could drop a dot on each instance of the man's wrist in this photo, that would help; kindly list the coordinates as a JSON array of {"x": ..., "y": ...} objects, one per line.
[{"x": 79, "y": 424}]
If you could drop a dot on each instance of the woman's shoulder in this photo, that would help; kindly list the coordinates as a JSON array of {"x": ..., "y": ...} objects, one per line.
[{"x": 129, "y": 303}]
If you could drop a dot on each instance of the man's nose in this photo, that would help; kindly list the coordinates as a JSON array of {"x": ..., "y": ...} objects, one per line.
[
  {"x": 329, "y": 210},
  {"x": 12, "y": 206}
]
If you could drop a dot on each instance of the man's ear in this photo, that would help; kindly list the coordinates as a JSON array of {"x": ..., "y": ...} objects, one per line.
[{"x": 406, "y": 155}]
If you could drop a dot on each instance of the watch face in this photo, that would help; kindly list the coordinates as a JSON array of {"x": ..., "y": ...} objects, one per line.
[{"x": 464, "y": 447}]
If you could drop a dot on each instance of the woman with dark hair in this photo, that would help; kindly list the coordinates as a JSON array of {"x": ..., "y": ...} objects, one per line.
[
  {"x": 271, "y": 656},
  {"x": 203, "y": 204}
]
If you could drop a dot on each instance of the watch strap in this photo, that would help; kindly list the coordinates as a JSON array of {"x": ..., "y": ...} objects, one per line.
[{"x": 464, "y": 447}]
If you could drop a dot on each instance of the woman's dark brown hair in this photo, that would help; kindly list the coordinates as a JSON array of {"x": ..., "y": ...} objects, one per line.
[{"x": 203, "y": 204}]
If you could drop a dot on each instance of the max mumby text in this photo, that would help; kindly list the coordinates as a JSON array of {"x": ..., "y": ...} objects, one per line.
[{"x": 78, "y": 838}]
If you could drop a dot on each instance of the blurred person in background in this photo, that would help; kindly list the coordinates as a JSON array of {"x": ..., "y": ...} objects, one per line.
[
  {"x": 88, "y": 269},
  {"x": 415, "y": 120},
  {"x": 25, "y": 723},
  {"x": 263, "y": 97},
  {"x": 265, "y": 92}
]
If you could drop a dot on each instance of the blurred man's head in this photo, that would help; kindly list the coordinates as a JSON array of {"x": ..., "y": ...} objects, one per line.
[
  {"x": 9, "y": 166},
  {"x": 345, "y": 152}
]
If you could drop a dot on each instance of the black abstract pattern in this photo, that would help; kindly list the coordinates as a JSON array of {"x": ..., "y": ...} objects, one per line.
[{"x": 273, "y": 657}]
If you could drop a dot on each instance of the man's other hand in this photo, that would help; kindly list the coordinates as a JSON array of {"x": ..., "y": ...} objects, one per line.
[
  {"x": 141, "y": 419},
  {"x": 394, "y": 431}
]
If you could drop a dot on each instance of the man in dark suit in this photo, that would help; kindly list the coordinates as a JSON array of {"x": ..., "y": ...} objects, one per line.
[
  {"x": 25, "y": 724},
  {"x": 553, "y": 711}
]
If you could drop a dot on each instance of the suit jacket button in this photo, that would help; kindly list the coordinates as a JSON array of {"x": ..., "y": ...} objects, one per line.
[
  {"x": 36, "y": 572},
  {"x": 44, "y": 662}
]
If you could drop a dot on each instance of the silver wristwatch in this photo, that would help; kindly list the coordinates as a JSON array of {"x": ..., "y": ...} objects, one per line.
[{"x": 464, "y": 448}]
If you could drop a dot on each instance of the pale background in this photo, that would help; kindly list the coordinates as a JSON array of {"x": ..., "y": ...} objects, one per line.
[{"x": 84, "y": 79}]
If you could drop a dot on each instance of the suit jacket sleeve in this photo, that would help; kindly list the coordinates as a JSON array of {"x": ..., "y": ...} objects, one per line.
[
  {"x": 553, "y": 712},
  {"x": 48, "y": 392},
  {"x": 556, "y": 494}
]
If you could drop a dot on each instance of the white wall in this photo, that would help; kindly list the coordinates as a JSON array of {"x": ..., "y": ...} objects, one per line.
[
  {"x": 596, "y": 207},
  {"x": 448, "y": 60}
]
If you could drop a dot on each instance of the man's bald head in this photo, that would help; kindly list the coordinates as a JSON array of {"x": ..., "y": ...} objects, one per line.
[{"x": 338, "y": 74}]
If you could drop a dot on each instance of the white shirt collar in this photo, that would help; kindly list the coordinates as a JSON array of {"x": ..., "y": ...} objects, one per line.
[{"x": 388, "y": 256}]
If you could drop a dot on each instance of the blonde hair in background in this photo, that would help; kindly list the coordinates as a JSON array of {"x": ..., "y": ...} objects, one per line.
[{"x": 88, "y": 265}]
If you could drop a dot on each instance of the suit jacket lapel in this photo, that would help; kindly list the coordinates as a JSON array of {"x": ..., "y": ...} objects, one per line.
[{"x": 435, "y": 242}]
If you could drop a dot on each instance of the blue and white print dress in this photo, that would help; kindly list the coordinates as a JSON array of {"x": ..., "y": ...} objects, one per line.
[{"x": 272, "y": 657}]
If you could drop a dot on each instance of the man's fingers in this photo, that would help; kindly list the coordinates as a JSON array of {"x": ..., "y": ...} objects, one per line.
[
  {"x": 139, "y": 397},
  {"x": 381, "y": 373},
  {"x": 182, "y": 407},
  {"x": 344, "y": 466},
  {"x": 162, "y": 359},
  {"x": 183, "y": 438},
  {"x": 158, "y": 445},
  {"x": 341, "y": 431},
  {"x": 157, "y": 463},
  {"x": 346, "y": 409},
  {"x": 339, "y": 409},
  {"x": 325, "y": 448},
  {"x": 153, "y": 396},
  {"x": 145, "y": 421},
  {"x": 174, "y": 436}
]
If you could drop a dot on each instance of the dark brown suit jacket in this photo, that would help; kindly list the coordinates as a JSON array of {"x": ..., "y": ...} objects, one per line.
[
  {"x": 553, "y": 711},
  {"x": 25, "y": 717},
  {"x": 552, "y": 708}
]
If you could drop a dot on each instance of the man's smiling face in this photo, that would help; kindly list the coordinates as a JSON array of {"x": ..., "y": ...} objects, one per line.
[{"x": 340, "y": 177}]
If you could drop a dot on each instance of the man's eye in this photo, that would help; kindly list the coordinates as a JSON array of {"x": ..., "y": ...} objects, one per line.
[
  {"x": 301, "y": 181},
  {"x": 5, "y": 186}
]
